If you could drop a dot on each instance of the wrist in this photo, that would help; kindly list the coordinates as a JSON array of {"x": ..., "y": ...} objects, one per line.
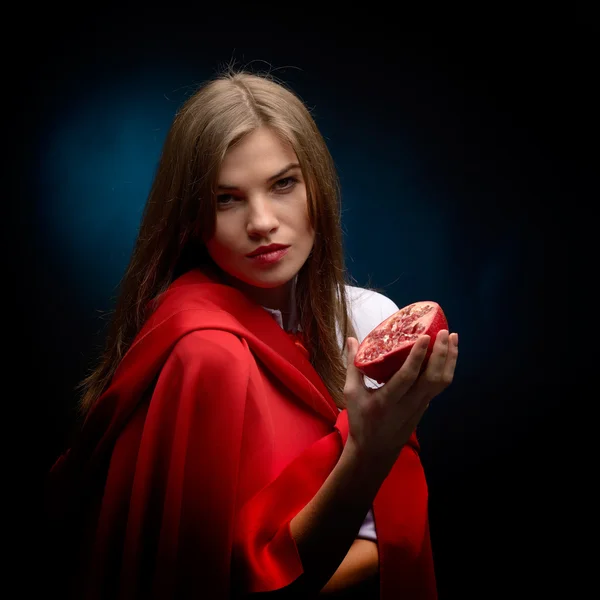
[{"x": 368, "y": 466}]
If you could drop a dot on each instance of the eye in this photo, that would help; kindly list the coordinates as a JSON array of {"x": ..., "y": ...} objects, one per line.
[
  {"x": 222, "y": 199},
  {"x": 285, "y": 184}
]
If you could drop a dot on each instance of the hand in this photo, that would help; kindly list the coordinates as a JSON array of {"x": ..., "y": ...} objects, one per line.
[{"x": 382, "y": 420}]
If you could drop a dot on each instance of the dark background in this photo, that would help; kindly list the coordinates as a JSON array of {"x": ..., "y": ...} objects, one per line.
[{"x": 454, "y": 150}]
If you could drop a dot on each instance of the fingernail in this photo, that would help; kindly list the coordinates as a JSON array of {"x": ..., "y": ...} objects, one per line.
[{"x": 456, "y": 339}]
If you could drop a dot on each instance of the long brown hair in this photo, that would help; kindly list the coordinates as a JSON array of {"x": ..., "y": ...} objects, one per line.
[{"x": 181, "y": 212}]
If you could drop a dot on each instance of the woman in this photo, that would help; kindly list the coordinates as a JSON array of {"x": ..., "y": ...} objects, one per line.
[{"x": 230, "y": 448}]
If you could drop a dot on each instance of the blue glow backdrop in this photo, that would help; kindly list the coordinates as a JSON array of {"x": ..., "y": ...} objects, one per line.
[{"x": 446, "y": 164}]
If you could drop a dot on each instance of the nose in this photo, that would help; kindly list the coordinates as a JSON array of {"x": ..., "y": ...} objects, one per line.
[{"x": 261, "y": 218}]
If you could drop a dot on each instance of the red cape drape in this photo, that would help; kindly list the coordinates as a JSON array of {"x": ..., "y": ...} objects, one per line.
[{"x": 214, "y": 433}]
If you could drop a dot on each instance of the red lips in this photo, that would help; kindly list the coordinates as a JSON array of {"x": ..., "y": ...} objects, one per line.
[{"x": 270, "y": 248}]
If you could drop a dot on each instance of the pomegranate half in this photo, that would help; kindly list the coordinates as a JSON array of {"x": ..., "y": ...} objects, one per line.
[{"x": 385, "y": 348}]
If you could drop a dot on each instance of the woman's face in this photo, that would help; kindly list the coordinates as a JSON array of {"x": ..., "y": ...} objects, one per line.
[{"x": 261, "y": 200}]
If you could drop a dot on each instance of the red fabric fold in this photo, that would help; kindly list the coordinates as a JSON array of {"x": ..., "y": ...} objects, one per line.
[
  {"x": 265, "y": 551},
  {"x": 213, "y": 435}
]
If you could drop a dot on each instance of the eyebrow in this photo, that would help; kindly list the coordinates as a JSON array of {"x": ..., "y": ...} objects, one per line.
[{"x": 273, "y": 177}]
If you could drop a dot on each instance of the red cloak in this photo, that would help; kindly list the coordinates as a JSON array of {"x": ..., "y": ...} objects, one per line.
[{"x": 213, "y": 434}]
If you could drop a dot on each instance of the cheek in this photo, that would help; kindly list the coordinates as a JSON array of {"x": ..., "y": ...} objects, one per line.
[
  {"x": 308, "y": 228},
  {"x": 310, "y": 234},
  {"x": 218, "y": 248},
  {"x": 223, "y": 240}
]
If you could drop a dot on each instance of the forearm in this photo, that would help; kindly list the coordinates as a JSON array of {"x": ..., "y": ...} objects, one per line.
[
  {"x": 360, "y": 564},
  {"x": 327, "y": 526}
]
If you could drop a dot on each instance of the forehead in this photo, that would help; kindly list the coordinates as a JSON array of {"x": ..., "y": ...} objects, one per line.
[{"x": 256, "y": 157}]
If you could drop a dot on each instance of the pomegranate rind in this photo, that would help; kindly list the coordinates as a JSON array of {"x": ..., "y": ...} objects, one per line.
[{"x": 382, "y": 368}]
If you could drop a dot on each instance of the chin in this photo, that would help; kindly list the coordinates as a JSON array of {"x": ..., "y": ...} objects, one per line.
[{"x": 268, "y": 281}]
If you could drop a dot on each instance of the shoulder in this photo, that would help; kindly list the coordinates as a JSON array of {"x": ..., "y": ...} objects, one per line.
[
  {"x": 204, "y": 379},
  {"x": 363, "y": 300},
  {"x": 215, "y": 351},
  {"x": 368, "y": 308}
]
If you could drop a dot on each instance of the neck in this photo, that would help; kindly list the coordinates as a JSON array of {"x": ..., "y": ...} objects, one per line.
[{"x": 279, "y": 298}]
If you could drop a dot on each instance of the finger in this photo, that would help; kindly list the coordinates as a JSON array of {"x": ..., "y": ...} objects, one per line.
[
  {"x": 437, "y": 361},
  {"x": 420, "y": 404},
  {"x": 439, "y": 372},
  {"x": 452, "y": 358},
  {"x": 446, "y": 344},
  {"x": 354, "y": 378},
  {"x": 428, "y": 384},
  {"x": 408, "y": 373}
]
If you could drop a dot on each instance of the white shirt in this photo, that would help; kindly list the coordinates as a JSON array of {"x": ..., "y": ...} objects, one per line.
[{"x": 367, "y": 309}]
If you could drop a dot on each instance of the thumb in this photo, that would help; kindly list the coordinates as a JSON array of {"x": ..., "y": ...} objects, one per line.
[{"x": 354, "y": 378}]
